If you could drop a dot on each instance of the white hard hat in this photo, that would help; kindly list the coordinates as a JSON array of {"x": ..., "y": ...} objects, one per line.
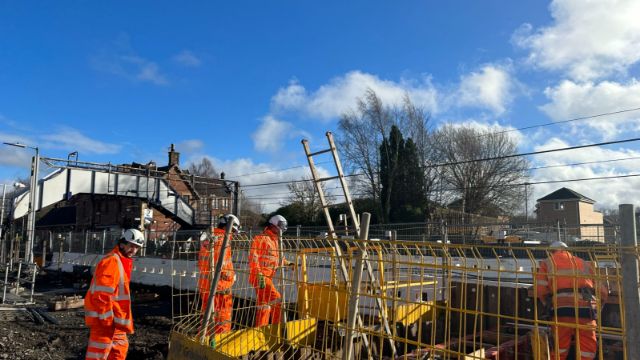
[
  {"x": 279, "y": 221},
  {"x": 558, "y": 245},
  {"x": 225, "y": 219},
  {"x": 133, "y": 236}
]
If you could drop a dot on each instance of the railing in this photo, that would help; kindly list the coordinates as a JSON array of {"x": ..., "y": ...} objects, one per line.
[{"x": 443, "y": 301}]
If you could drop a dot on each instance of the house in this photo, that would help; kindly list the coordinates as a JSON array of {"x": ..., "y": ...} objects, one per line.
[{"x": 573, "y": 210}]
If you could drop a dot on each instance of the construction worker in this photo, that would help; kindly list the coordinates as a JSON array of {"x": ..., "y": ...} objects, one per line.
[
  {"x": 107, "y": 305},
  {"x": 264, "y": 255},
  {"x": 223, "y": 300},
  {"x": 567, "y": 284}
]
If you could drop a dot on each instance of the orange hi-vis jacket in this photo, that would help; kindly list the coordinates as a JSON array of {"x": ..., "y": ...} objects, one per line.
[
  {"x": 573, "y": 284},
  {"x": 108, "y": 300},
  {"x": 263, "y": 255},
  {"x": 227, "y": 277}
]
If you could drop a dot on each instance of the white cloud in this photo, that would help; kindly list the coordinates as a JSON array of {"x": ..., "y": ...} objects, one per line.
[
  {"x": 190, "y": 146},
  {"x": 491, "y": 88},
  {"x": 122, "y": 60},
  {"x": 187, "y": 58},
  {"x": 340, "y": 95},
  {"x": 72, "y": 139},
  {"x": 492, "y": 127},
  {"x": 571, "y": 100},
  {"x": 607, "y": 193},
  {"x": 588, "y": 39},
  {"x": 270, "y": 134},
  {"x": 247, "y": 173}
]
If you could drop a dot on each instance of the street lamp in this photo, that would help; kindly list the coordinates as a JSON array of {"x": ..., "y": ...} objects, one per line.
[{"x": 33, "y": 200}]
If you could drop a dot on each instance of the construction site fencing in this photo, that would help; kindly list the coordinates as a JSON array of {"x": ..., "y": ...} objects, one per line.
[
  {"x": 169, "y": 244},
  {"x": 415, "y": 299}
]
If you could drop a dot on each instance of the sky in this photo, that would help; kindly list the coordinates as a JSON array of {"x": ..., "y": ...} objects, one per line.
[{"x": 243, "y": 82}]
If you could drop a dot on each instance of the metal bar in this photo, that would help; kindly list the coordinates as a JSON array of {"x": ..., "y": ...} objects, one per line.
[
  {"x": 630, "y": 295},
  {"x": 2, "y": 238},
  {"x": 215, "y": 280},
  {"x": 4, "y": 287},
  {"x": 354, "y": 298}
]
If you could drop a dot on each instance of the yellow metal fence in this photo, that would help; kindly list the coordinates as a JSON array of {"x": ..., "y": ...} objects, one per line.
[{"x": 415, "y": 300}]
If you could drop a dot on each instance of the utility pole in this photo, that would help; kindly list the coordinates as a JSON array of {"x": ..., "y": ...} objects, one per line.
[
  {"x": 2, "y": 242},
  {"x": 33, "y": 200}
]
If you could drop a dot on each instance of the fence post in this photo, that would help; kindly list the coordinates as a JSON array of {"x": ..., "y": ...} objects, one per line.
[
  {"x": 630, "y": 294},
  {"x": 354, "y": 297}
]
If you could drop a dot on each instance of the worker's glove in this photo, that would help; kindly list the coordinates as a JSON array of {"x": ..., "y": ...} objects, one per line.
[{"x": 262, "y": 283}]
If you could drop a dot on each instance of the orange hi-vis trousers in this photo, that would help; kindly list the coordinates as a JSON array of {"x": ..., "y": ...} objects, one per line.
[
  {"x": 222, "y": 307},
  {"x": 107, "y": 343},
  {"x": 586, "y": 341},
  {"x": 268, "y": 304}
]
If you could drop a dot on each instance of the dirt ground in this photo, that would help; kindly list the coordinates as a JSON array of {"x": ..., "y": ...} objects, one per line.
[{"x": 23, "y": 338}]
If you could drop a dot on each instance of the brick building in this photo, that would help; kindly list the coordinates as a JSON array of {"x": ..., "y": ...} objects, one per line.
[{"x": 574, "y": 210}]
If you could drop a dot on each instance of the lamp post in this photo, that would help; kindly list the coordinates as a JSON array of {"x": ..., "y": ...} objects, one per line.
[{"x": 33, "y": 200}]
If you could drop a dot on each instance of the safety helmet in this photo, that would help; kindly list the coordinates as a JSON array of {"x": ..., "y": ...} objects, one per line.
[
  {"x": 558, "y": 245},
  {"x": 226, "y": 218},
  {"x": 133, "y": 236},
  {"x": 279, "y": 221}
]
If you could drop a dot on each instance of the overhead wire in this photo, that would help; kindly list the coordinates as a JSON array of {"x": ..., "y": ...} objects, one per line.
[{"x": 494, "y": 158}]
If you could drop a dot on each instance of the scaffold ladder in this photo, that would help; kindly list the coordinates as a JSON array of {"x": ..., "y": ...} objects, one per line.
[{"x": 317, "y": 180}]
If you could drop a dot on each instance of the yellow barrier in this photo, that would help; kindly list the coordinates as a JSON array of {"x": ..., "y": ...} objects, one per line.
[{"x": 442, "y": 301}]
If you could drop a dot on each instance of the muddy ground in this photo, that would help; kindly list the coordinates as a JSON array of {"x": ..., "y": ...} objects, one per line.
[{"x": 23, "y": 338}]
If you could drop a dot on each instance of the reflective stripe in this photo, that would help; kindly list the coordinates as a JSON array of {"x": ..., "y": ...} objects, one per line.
[
  {"x": 106, "y": 289},
  {"x": 264, "y": 307},
  {"x": 92, "y": 355},
  {"x": 587, "y": 354},
  {"x": 568, "y": 295},
  {"x": 275, "y": 301},
  {"x": 122, "y": 297},
  {"x": 95, "y": 314},
  {"x": 121, "y": 280},
  {"x": 562, "y": 351},
  {"x": 543, "y": 282},
  {"x": 99, "y": 345},
  {"x": 121, "y": 321}
]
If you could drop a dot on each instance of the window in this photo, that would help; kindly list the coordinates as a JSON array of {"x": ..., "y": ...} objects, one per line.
[
  {"x": 225, "y": 203},
  {"x": 559, "y": 205},
  {"x": 214, "y": 203}
]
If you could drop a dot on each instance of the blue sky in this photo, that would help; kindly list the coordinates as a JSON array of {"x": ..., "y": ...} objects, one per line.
[{"x": 243, "y": 82}]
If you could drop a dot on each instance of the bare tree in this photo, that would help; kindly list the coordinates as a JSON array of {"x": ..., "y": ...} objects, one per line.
[
  {"x": 250, "y": 212},
  {"x": 305, "y": 200},
  {"x": 360, "y": 136},
  {"x": 204, "y": 168},
  {"x": 484, "y": 187},
  {"x": 361, "y": 139}
]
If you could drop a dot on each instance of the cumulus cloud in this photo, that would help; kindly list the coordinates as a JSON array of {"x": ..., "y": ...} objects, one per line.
[
  {"x": 570, "y": 100},
  {"x": 247, "y": 172},
  {"x": 493, "y": 127},
  {"x": 491, "y": 87},
  {"x": 608, "y": 193},
  {"x": 339, "y": 95},
  {"x": 121, "y": 60},
  {"x": 187, "y": 58},
  {"x": 587, "y": 39},
  {"x": 270, "y": 134},
  {"x": 72, "y": 139}
]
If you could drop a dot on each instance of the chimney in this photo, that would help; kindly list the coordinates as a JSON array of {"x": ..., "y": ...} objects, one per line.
[{"x": 174, "y": 156}]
